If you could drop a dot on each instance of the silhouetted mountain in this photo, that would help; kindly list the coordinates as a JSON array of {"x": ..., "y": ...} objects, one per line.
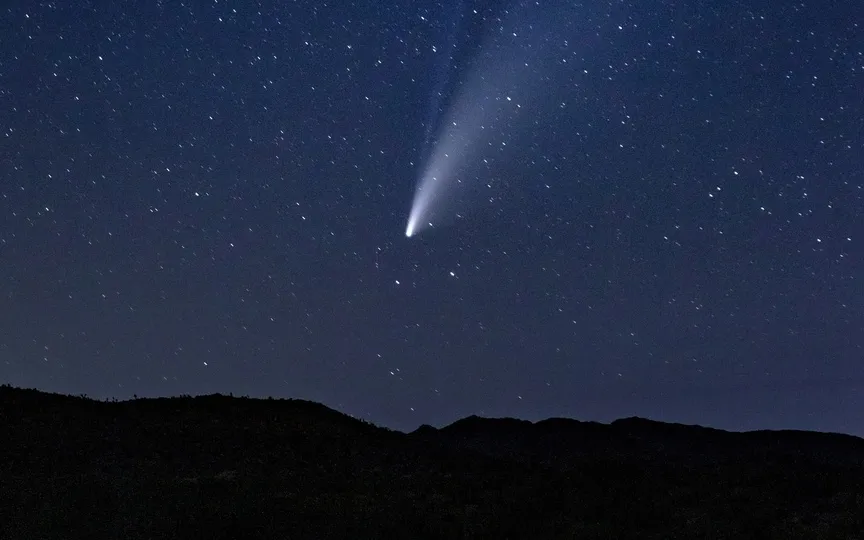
[
  {"x": 225, "y": 467},
  {"x": 559, "y": 440}
]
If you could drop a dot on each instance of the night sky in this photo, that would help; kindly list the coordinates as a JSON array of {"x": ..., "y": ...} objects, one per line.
[{"x": 212, "y": 197}]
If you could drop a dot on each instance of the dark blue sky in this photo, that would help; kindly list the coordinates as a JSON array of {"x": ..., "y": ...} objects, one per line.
[{"x": 212, "y": 197}]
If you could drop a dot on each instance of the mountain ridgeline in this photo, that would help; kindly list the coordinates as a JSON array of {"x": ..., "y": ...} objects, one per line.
[{"x": 224, "y": 467}]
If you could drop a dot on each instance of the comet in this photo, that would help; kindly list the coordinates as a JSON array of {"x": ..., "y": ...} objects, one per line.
[{"x": 499, "y": 83}]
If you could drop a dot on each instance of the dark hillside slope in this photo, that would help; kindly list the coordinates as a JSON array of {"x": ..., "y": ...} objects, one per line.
[
  {"x": 562, "y": 441},
  {"x": 224, "y": 467}
]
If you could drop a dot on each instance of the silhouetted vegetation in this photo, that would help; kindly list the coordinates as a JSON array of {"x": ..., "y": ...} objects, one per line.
[{"x": 220, "y": 467}]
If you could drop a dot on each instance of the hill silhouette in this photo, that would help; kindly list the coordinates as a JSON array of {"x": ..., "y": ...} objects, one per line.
[{"x": 224, "y": 467}]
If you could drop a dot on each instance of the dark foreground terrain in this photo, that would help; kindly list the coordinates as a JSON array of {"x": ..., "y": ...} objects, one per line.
[{"x": 218, "y": 467}]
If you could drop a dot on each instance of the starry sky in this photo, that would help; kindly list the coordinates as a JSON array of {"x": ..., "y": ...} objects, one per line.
[{"x": 211, "y": 196}]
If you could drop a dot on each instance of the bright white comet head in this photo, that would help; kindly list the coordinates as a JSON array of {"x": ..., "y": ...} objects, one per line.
[
  {"x": 438, "y": 183},
  {"x": 420, "y": 205},
  {"x": 427, "y": 190}
]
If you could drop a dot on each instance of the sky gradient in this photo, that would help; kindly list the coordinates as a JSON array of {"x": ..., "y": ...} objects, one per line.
[{"x": 212, "y": 197}]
